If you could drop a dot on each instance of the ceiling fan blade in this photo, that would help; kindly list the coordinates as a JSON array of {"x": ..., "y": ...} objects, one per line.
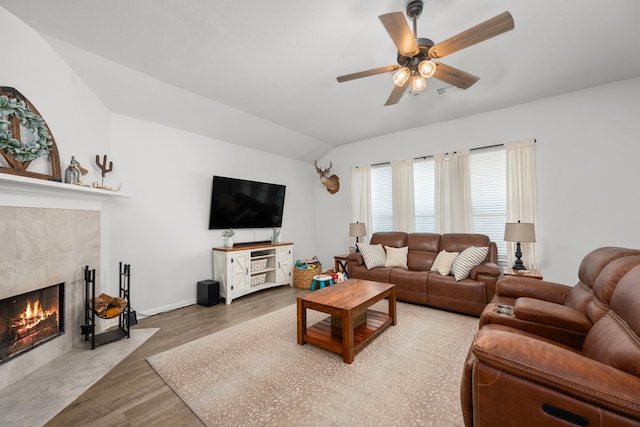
[
  {"x": 483, "y": 31},
  {"x": 396, "y": 93},
  {"x": 367, "y": 73},
  {"x": 453, "y": 76},
  {"x": 399, "y": 31}
]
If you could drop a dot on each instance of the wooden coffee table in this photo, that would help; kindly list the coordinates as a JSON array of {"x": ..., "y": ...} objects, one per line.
[{"x": 345, "y": 302}]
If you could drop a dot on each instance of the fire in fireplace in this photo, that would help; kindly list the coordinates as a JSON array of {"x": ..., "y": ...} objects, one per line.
[{"x": 30, "y": 319}]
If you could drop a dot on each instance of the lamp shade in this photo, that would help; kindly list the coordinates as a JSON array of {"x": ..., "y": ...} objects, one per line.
[
  {"x": 519, "y": 232},
  {"x": 357, "y": 229}
]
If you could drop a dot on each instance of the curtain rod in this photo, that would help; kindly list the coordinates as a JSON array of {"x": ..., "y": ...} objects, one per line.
[{"x": 427, "y": 157}]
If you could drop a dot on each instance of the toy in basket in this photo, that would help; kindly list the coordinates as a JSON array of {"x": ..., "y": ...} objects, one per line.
[{"x": 304, "y": 272}]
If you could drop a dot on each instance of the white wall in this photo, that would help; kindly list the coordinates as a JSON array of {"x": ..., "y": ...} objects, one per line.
[
  {"x": 162, "y": 230},
  {"x": 587, "y": 165}
]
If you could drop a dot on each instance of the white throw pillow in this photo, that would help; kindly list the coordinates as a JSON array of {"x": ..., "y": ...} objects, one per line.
[
  {"x": 468, "y": 259},
  {"x": 374, "y": 255},
  {"x": 443, "y": 262},
  {"x": 396, "y": 257}
]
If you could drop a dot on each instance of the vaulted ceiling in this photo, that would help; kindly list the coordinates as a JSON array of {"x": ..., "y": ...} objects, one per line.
[{"x": 263, "y": 73}]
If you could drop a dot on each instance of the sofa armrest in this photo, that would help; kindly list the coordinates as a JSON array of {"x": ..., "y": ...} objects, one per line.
[
  {"x": 516, "y": 287},
  {"x": 487, "y": 269},
  {"x": 355, "y": 258},
  {"x": 552, "y": 314},
  {"x": 560, "y": 369}
]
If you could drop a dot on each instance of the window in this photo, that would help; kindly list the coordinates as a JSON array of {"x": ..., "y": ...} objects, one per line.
[
  {"x": 381, "y": 199},
  {"x": 424, "y": 189},
  {"x": 487, "y": 173}
]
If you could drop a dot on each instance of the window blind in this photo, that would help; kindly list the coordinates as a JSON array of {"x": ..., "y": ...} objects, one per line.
[
  {"x": 488, "y": 171},
  {"x": 381, "y": 199},
  {"x": 424, "y": 189}
]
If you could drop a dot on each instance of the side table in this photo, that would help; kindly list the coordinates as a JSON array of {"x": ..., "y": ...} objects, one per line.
[
  {"x": 340, "y": 263},
  {"x": 534, "y": 274}
]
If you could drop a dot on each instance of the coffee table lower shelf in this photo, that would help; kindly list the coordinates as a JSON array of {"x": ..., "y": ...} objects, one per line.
[{"x": 329, "y": 337}]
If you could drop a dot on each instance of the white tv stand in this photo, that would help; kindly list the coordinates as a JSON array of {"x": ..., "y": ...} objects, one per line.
[{"x": 246, "y": 269}]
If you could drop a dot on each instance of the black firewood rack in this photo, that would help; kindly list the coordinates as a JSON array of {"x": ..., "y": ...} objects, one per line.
[{"x": 89, "y": 328}]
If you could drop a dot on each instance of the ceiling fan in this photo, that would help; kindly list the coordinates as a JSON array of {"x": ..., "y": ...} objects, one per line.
[{"x": 415, "y": 54}]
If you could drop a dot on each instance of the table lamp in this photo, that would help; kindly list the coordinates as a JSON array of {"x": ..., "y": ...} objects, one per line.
[
  {"x": 519, "y": 232},
  {"x": 357, "y": 230}
]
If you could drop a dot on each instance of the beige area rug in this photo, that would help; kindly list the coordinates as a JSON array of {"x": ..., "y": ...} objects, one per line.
[{"x": 255, "y": 373}]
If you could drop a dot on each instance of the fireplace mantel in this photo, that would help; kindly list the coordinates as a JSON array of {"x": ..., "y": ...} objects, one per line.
[{"x": 23, "y": 191}]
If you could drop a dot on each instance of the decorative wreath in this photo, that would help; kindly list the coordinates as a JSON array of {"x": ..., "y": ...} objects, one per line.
[{"x": 26, "y": 151}]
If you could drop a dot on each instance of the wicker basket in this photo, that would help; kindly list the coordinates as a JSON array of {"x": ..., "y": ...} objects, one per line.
[
  {"x": 302, "y": 278},
  {"x": 258, "y": 279},
  {"x": 259, "y": 264}
]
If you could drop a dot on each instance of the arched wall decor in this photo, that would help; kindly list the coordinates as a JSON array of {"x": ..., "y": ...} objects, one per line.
[{"x": 34, "y": 123}]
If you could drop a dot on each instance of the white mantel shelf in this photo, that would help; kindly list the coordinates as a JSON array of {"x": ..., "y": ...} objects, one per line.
[{"x": 23, "y": 191}]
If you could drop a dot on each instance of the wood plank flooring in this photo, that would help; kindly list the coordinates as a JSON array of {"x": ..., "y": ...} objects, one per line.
[{"x": 132, "y": 394}]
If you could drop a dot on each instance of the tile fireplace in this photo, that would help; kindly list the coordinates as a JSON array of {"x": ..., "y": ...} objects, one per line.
[
  {"x": 30, "y": 319},
  {"x": 48, "y": 232}
]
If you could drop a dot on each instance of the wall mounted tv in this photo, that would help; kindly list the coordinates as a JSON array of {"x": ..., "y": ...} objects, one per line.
[{"x": 239, "y": 203}]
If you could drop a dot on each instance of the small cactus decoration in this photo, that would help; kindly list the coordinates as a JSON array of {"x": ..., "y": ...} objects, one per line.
[{"x": 103, "y": 166}]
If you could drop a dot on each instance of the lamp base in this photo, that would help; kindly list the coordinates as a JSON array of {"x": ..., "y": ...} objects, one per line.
[{"x": 518, "y": 265}]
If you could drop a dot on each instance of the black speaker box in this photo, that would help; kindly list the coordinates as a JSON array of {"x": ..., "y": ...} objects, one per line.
[{"x": 208, "y": 292}]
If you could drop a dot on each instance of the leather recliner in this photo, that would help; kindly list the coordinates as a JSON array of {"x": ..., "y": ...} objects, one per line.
[
  {"x": 516, "y": 378},
  {"x": 562, "y": 313}
]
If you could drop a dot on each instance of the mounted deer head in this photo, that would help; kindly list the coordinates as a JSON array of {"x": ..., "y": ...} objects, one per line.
[{"x": 331, "y": 182}]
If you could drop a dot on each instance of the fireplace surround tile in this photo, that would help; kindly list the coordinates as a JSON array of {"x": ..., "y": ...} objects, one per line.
[
  {"x": 8, "y": 279},
  {"x": 49, "y": 246},
  {"x": 31, "y": 238}
]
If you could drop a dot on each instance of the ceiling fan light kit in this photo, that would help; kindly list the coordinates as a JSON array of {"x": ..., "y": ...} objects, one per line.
[
  {"x": 427, "y": 69},
  {"x": 418, "y": 83},
  {"x": 414, "y": 57},
  {"x": 401, "y": 76}
]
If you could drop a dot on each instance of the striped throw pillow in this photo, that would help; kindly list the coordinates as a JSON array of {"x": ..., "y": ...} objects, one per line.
[
  {"x": 468, "y": 259},
  {"x": 374, "y": 255}
]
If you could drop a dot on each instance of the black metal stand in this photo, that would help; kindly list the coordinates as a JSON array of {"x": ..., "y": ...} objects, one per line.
[
  {"x": 124, "y": 318},
  {"x": 518, "y": 265}
]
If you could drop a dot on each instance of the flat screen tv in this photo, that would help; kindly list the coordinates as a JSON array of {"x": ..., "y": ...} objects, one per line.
[{"x": 239, "y": 203}]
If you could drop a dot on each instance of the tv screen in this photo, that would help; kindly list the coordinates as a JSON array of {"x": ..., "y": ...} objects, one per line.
[{"x": 239, "y": 203}]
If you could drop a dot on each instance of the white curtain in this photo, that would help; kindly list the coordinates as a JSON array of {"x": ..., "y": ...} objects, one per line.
[
  {"x": 522, "y": 195},
  {"x": 453, "y": 193},
  {"x": 441, "y": 196},
  {"x": 404, "y": 211},
  {"x": 361, "y": 197}
]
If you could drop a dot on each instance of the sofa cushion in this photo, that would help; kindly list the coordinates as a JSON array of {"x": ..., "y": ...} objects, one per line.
[
  {"x": 443, "y": 262},
  {"x": 613, "y": 340},
  {"x": 396, "y": 257},
  {"x": 397, "y": 239},
  {"x": 423, "y": 248},
  {"x": 373, "y": 255},
  {"x": 458, "y": 242},
  {"x": 468, "y": 259}
]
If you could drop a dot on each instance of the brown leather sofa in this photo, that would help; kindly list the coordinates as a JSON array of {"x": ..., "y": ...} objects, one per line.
[
  {"x": 514, "y": 377},
  {"x": 559, "y": 312},
  {"x": 417, "y": 284}
]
